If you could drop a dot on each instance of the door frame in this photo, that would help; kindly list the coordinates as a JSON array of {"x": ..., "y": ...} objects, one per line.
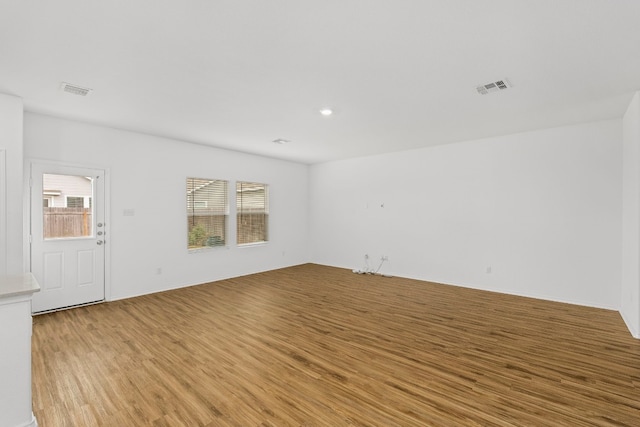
[
  {"x": 28, "y": 217},
  {"x": 3, "y": 212}
]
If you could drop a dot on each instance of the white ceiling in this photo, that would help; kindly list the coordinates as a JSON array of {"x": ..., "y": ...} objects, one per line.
[{"x": 399, "y": 74}]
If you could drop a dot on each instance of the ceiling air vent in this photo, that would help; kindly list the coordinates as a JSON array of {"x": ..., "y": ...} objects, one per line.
[
  {"x": 493, "y": 87},
  {"x": 76, "y": 90}
]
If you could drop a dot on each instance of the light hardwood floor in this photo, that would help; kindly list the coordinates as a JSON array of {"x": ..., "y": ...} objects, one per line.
[{"x": 320, "y": 346}]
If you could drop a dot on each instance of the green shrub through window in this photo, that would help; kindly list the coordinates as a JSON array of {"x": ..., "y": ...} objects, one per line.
[{"x": 207, "y": 212}]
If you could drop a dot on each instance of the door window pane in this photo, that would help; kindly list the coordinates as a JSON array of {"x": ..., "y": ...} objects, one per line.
[{"x": 64, "y": 213}]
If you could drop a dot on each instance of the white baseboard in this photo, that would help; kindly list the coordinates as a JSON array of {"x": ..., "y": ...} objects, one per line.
[
  {"x": 632, "y": 328},
  {"x": 31, "y": 423}
]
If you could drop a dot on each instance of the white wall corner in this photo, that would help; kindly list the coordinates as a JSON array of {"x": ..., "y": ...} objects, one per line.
[
  {"x": 631, "y": 325},
  {"x": 630, "y": 265},
  {"x": 11, "y": 142}
]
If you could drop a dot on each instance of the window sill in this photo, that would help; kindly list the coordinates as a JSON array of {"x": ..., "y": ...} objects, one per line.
[
  {"x": 251, "y": 245},
  {"x": 206, "y": 249}
]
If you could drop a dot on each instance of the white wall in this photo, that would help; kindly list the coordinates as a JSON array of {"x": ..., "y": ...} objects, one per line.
[
  {"x": 630, "y": 301},
  {"x": 542, "y": 209},
  {"x": 11, "y": 230},
  {"x": 148, "y": 174}
]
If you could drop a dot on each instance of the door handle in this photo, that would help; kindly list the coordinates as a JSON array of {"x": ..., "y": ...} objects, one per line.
[{"x": 99, "y": 242}]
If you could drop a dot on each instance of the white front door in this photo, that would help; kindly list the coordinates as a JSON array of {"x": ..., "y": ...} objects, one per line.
[{"x": 67, "y": 235}]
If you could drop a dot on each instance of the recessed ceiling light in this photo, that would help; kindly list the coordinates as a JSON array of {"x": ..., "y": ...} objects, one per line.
[
  {"x": 280, "y": 141},
  {"x": 326, "y": 111}
]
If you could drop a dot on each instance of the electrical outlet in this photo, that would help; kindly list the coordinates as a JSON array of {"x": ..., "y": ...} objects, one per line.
[
  {"x": 488, "y": 270},
  {"x": 158, "y": 270}
]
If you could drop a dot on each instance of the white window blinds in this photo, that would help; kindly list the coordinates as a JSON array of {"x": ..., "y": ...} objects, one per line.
[
  {"x": 252, "y": 205},
  {"x": 207, "y": 212}
]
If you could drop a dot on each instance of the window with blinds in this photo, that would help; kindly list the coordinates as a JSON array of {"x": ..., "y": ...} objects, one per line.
[
  {"x": 252, "y": 204},
  {"x": 75, "y": 202},
  {"x": 207, "y": 212}
]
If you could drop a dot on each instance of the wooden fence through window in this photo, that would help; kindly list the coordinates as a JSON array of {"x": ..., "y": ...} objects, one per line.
[
  {"x": 252, "y": 227},
  {"x": 67, "y": 222}
]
